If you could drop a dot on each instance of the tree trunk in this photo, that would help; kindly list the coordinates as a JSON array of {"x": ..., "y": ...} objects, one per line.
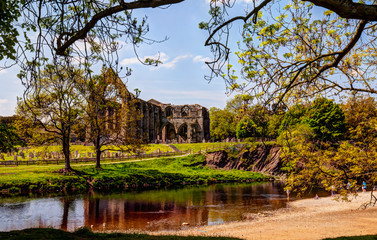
[
  {"x": 98, "y": 158},
  {"x": 98, "y": 153},
  {"x": 66, "y": 153}
]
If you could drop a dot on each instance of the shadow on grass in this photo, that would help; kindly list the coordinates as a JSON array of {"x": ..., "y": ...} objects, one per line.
[
  {"x": 366, "y": 237},
  {"x": 85, "y": 234}
]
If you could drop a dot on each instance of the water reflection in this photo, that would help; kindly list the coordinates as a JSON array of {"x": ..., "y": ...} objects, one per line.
[{"x": 147, "y": 210}]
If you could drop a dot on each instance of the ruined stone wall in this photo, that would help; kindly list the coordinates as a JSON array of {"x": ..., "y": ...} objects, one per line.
[
  {"x": 174, "y": 123},
  {"x": 162, "y": 122}
]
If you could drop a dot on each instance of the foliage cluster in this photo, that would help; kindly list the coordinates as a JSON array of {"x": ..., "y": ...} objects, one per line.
[
  {"x": 244, "y": 120},
  {"x": 9, "y": 138},
  {"x": 335, "y": 149},
  {"x": 324, "y": 143}
]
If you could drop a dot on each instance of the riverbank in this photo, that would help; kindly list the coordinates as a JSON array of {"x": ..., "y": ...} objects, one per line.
[
  {"x": 308, "y": 219},
  {"x": 85, "y": 234},
  {"x": 187, "y": 170}
]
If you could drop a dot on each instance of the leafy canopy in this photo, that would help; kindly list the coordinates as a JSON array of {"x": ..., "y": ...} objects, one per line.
[{"x": 9, "y": 140}]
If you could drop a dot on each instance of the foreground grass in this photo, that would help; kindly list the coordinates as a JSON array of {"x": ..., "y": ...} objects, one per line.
[
  {"x": 144, "y": 174},
  {"x": 366, "y": 237},
  {"x": 83, "y": 234}
]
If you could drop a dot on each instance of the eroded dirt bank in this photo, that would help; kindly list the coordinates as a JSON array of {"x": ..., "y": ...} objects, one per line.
[
  {"x": 304, "y": 219},
  {"x": 263, "y": 158}
]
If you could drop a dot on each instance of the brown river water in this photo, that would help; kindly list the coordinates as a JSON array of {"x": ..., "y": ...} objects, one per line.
[{"x": 151, "y": 210}]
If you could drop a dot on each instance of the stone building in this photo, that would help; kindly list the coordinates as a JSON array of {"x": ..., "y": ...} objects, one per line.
[
  {"x": 160, "y": 122},
  {"x": 173, "y": 123}
]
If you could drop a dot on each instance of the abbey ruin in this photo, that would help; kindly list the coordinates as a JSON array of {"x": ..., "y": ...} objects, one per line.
[
  {"x": 161, "y": 122},
  {"x": 173, "y": 123}
]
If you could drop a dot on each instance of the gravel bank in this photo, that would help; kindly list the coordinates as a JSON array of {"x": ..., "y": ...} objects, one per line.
[{"x": 304, "y": 219}]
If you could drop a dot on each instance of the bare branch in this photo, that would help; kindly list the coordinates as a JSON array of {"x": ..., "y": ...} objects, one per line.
[{"x": 82, "y": 33}]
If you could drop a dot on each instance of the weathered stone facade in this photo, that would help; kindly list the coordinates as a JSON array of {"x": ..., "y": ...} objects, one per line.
[
  {"x": 173, "y": 123},
  {"x": 160, "y": 122}
]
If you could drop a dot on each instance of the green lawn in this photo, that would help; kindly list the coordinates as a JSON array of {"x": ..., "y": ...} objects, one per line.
[
  {"x": 157, "y": 172},
  {"x": 196, "y": 147},
  {"x": 150, "y": 148},
  {"x": 84, "y": 234},
  {"x": 82, "y": 150}
]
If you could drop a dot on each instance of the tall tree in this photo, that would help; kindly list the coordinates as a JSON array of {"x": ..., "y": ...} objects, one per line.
[
  {"x": 54, "y": 103},
  {"x": 222, "y": 124},
  {"x": 327, "y": 120}
]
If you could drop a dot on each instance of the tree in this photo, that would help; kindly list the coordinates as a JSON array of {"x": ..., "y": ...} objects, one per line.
[
  {"x": 327, "y": 120},
  {"x": 294, "y": 116},
  {"x": 273, "y": 125},
  {"x": 323, "y": 116},
  {"x": 30, "y": 130},
  {"x": 9, "y": 140},
  {"x": 222, "y": 124},
  {"x": 239, "y": 105},
  {"x": 110, "y": 114},
  {"x": 54, "y": 104},
  {"x": 71, "y": 22},
  {"x": 361, "y": 118},
  {"x": 316, "y": 155},
  {"x": 289, "y": 53},
  {"x": 246, "y": 128},
  {"x": 87, "y": 32},
  {"x": 9, "y": 12},
  {"x": 344, "y": 167}
]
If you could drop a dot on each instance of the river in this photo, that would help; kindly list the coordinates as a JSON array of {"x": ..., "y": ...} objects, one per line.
[{"x": 151, "y": 210}]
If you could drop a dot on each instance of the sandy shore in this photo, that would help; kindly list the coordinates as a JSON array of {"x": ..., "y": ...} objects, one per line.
[{"x": 304, "y": 219}]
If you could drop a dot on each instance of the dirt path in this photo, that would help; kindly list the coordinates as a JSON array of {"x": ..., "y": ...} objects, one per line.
[{"x": 304, "y": 219}]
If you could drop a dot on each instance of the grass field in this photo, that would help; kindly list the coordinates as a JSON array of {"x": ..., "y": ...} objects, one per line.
[
  {"x": 152, "y": 173},
  {"x": 84, "y": 150}
]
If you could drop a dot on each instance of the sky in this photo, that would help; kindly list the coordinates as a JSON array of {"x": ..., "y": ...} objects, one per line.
[{"x": 179, "y": 80}]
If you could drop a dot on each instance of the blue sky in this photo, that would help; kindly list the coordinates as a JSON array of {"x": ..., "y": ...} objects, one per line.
[{"x": 179, "y": 80}]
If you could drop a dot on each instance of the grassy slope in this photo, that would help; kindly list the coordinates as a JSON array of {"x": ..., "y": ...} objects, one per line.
[
  {"x": 153, "y": 173},
  {"x": 47, "y": 233}
]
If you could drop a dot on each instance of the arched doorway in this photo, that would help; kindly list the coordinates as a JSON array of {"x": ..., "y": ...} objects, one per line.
[
  {"x": 168, "y": 132},
  {"x": 182, "y": 133},
  {"x": 196, "y": 133}
]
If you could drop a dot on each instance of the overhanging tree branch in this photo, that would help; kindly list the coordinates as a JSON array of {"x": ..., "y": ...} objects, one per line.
[
  {"x": 349, "y": 9},
  {"x": 123, "y": 6}
]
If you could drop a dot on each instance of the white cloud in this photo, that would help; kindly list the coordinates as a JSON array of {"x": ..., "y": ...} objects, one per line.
[
  {"x": 3, "y": 101},
  {"x": 199, "y": 58},
  {"x": 172, "y": 63},
  {"x": 3, "y": 71},
  {"x": 163, "y": 57},
  {"x": 129, "y": 61}
]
